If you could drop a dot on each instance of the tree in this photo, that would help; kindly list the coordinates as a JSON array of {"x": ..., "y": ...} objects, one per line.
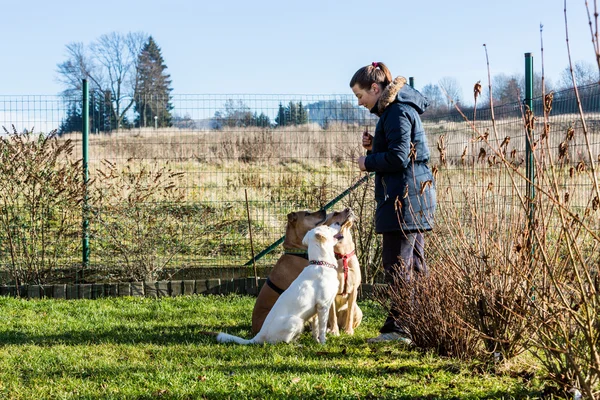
[
  {"x": 293, "y": 114},
  {"x": 183, "y": 122},
  {"x": 100, "y": 111},
  {"x": 78, "y": 66},
  {"x": 585, "y": 74},
  {"x": 281, "y": 118},
  {"x": 434, "y": 95},
  {"x": 236, "y": 115},
  {"x": 453, "y": 92},
  {"x": 110, "y": 64},
  {"x": 506, "y": 89},
  {"x": 302, "y": 115},
  {"x": 262, "y": 120},
  {"x": 74, "y": 120},
  {"x": 152, "y": 97}
]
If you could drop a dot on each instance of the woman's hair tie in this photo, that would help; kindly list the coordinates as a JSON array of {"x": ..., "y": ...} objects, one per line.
[{"x": 375, "y": 64}]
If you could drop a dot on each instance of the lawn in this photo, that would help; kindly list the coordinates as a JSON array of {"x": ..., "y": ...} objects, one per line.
[{"x": 140, "y": 348}]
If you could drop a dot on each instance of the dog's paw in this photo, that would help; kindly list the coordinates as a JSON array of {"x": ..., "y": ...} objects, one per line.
[{"x": 334, "y": 332}]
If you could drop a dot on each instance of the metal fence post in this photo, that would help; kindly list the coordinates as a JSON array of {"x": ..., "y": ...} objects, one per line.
[
  {"x": 84, "y": 150},
  {"x": 529, "y": 160},
  {"x": 411, "y": 81}
]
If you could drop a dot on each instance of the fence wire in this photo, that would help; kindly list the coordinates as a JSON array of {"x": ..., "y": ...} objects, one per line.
[{"x": 170, "y": 176}]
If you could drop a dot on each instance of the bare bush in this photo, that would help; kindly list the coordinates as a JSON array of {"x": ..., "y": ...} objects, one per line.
[
  {"x": 41, "y": 190},
  {"x": 139, "y": 215},
  {"x": 433, "y": 312}
]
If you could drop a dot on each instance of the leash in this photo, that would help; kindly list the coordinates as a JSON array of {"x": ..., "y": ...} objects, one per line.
[
  {"x": 325, "y": 207},
  {"x": 345, "y": 258}
]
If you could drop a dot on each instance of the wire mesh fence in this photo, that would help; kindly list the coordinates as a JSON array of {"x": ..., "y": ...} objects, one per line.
[{"x": 199, "y": 184}]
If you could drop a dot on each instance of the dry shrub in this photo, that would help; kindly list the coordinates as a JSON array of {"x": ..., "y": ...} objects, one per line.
[
  {"x": 139, "y": 219},
  {"x": 473, "y": 303},
  {"x": 566, "y": 244},
  {"x": 524, "y": 256},
  {"x": 434, "y": 314},
  {"x": 481, "y": 243},
  {"x": 41, "y": 191}
]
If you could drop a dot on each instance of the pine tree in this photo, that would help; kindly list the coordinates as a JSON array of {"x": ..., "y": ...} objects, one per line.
[
  {"x": 74, "y": 120},
  {"x": 153, "y": 99},
  {"x": 101, "y": 112},
  {"x": 292, "y": 111},
  {"x": 281, "y": 118},
  {"x": 302, "y": 115},
  {"x": 261, "y": 120}
]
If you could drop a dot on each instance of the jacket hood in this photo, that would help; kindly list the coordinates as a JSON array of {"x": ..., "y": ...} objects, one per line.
[{"x": 399, "y": 91}]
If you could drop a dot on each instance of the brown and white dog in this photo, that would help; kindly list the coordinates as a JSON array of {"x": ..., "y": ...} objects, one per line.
[
  {"x": 345, "y": 313},
  {"x": 293, "y": 260},
  {"x": 310, "y": 294}
]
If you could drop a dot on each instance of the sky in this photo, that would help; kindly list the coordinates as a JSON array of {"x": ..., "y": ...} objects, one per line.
[{"x": 298, "y": 47}]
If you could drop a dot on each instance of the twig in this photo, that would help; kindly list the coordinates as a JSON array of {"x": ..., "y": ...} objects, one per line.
[
  {"x": 595, "y": 41},
  {"x": 580, "y": 108}
]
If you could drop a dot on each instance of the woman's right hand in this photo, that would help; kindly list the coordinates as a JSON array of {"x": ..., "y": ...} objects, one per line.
[{"x": 367, "y": 140}]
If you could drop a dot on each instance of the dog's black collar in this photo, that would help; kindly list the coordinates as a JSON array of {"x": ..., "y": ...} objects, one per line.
[
  {"x": 297, "y": 253},
  {"x": 274, "y": 287}
]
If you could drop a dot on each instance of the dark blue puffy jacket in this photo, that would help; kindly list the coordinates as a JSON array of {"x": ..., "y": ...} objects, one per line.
[{"x": 404, "y": 185}]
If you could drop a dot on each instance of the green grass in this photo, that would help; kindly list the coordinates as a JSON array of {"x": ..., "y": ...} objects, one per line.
[{"x": 138, "y": 348}]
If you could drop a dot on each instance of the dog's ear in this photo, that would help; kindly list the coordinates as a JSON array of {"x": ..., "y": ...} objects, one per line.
[
  {"x": 320, "y": 237},
  {"x": 292, "y": 217}
]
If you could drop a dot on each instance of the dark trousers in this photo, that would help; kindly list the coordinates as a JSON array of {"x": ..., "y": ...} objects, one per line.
[{"x": 403, "y": 256}]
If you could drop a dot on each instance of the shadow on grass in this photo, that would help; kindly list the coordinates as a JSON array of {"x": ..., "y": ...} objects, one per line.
[{"x": 120, "y": 334}]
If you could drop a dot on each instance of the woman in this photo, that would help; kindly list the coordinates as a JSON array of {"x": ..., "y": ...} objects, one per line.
[{"x": 404, "y": 185}]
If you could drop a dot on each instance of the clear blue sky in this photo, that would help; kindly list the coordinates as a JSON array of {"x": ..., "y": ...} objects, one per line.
[{"x": 297, "y": 47}]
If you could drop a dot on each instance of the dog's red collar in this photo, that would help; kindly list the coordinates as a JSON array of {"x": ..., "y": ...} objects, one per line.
[
  {"x": 323, "y": 263},
  {"x": 344, "y": 258}
]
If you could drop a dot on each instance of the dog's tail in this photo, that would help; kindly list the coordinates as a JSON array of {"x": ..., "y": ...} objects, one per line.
[{"x": 227, "y": 338}]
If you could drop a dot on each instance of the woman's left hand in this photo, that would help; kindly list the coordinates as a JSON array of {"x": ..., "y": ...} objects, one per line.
[{"x": 361, "y": 163}]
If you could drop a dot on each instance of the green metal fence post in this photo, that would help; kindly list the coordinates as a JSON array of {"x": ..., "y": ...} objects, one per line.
[
  {"x": 411, "y": 81},
  {"x": 529, "y": 161},
  {"x": 84, "y": 151}
]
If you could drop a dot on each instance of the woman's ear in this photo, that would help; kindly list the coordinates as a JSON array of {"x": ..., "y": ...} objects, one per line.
[{"x": 375, "y": 88}]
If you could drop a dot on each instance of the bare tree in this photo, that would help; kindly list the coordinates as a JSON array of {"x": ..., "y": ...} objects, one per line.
[
  {"x": 78, "y": 66},
  {"x": 506, "y": 89},
  {"x": 111, "y": 65},
  {"x": 452, "y": 90},
  {"x": 434, "y": 95},
  {"x": 585, "y": 73}
]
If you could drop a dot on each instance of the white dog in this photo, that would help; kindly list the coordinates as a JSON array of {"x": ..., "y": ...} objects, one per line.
[{"x": 312, "y": 292}]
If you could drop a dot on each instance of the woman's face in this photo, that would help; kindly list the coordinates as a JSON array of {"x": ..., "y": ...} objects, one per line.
[{"x": 367, "y": 97}]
